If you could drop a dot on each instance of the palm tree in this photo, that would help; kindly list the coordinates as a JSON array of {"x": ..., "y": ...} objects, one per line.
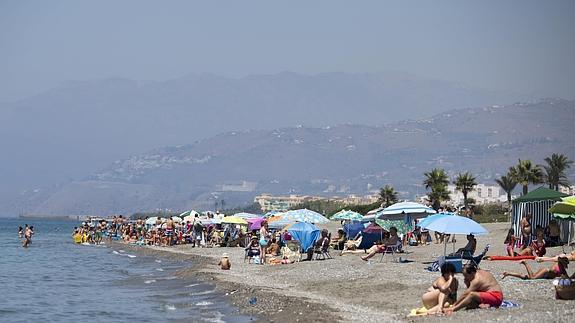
[
  {"x": 465, "y": 183},
  {"x": 555, "y": 169},
  {"x": 437, "y": 181},
  {"x": 525, "y": 173},
  {"x": 387, "y": 196},
  {"x": 508, "y": 185}
]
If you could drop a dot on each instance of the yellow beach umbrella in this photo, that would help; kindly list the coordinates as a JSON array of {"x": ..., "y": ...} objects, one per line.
[{"x": 234, "y": 220}]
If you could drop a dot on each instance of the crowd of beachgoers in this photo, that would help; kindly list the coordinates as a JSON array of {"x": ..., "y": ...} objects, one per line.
[{"x": 273, "y": 246}]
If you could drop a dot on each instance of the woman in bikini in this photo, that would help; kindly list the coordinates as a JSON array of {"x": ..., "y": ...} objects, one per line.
[
  {"x": 544, "y": 273},
  {"x": 536, "y": 247},
  {"x": 443, "y": 291}
]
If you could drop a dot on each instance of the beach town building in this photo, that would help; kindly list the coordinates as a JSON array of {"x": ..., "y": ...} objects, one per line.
[
  {"x": 569, "y": 190},
  {"x": 269, "y": 202},
  {"x": 481, "y": 194}
]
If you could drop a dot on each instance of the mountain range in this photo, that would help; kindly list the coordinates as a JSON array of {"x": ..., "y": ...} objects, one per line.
[{"x": 330, "y": 160}]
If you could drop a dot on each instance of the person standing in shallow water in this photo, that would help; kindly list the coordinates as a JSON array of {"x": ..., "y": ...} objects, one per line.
[{"x": 28, "y": 236}]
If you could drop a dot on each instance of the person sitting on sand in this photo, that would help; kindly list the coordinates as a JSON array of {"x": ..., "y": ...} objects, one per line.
[
  {"x": 469, "y": 249},
  {"x": 443, "y": 291},
  {"x": 274, "y": 248},
  {"x": 380, "y": 248},
  {"x": 537, "y": 247},
  {"x": 351, "y": 245},
  {"x": 338, "y": 242},
  {"x": 510, "y": 241},
  {"x": 483, "y": 291},
  {"x": 253, "y": 249},
  {"x": 544, "y": 273},
  {"x": 225, "y": 263}
]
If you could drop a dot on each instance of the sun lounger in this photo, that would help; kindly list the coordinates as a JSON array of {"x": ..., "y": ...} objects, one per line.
[{"x": 392, "y": 250}]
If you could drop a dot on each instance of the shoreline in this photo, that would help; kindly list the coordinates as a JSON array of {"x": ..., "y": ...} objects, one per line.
[
  {"x": 347, "y": 289},
  {"x": 270, "y": 304}
]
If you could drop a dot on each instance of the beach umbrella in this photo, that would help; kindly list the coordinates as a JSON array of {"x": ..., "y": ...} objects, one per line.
[
  {"x": 177, "y": 219},
  {"x": 234, "y": 220},
  {"x": 152, "y": 221},
  {"x": 305, "y": 215},
  {"x": 456, "y": 225},
  {"x": 306, "y": 233},
  {"x": 565, "y": 209},
  {"x": 255, "y": 223},
  {"x": 400, "y": 225},
  {"x": 245, "y": 215},
  {"x": 188, "y": 213},
  {"x": 272, "y": 213},
  {"x": 399, "y": 210},
  {"x": 280, "y": 224},
  {"x": 190, "y": 218},
  {"x": 347, "y": 215},
  {"x": 433, "y": 217}
]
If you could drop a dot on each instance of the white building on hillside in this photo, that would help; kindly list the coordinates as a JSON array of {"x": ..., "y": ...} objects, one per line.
[{"x": 481, "y": 193}]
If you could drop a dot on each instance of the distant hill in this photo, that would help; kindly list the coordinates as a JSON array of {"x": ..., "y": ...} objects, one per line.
[
  {"x": 79, "y": 127},
  {"x": 338, "y": 160}
]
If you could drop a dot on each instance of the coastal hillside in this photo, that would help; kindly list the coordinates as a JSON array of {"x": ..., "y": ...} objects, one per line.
[
  {"x": 78, "y": 127},
  {"x": 337, "y": 160}
]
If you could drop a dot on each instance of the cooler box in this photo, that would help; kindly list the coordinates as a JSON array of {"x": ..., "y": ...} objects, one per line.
[{"x": 457, "y": 262}]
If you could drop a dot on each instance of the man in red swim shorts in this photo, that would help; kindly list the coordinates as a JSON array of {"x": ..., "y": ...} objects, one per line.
[{"x": 482, "y": 290}]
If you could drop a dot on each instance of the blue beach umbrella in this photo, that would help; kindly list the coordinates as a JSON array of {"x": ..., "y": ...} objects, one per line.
[
  {"x": 423, "y": 223},
  {"x": 456, "y": 225},
  {"x": 305, "y": 215},
  {"x": 306, "y": 233},
  {"x": 245, "y": 215}
]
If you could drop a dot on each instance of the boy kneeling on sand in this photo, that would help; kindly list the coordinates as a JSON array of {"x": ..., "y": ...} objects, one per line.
[{"x": 225, "y": 263}]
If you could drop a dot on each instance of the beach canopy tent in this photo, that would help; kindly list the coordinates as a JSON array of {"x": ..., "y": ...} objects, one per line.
[
  {"x": 351, "y": 229},
  {"x": 306, "y": 233},
  {"x": 370, "y": 234},
  {"x": 189, "y": 213},
  {"x": 538, "y": 202}
]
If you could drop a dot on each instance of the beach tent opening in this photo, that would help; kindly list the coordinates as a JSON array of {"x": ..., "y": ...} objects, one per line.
[{"x": 538, "y": 202}]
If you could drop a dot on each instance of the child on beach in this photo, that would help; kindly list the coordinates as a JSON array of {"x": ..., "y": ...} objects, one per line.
[
  {"x": 510, "y": 241},
  {"x": 225, "y": 263}
]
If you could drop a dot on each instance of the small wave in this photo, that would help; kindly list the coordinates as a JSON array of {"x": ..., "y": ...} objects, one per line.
[
  {"x": 204, "y": 303},
  {"x": 115, "y": 252},
  {"x": 131, "y": 256},
  {"x": 170, "y": 307},
  {"x": 158, "y": 261},
  {"x": 206, "y": 292},
  {"x": 192, "y": 285},
  {"x": 217, "y": 319},
  {"x": 159, "y": 269},
  {"x": 170, "y": 278},
  {"x": 122, "y": 251},
  {"x": 150, "y": 281}
]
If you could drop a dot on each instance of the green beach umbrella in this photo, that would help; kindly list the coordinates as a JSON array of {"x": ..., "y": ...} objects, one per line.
[
  {"x": 402, "y": 227},
  {"x": 565, "y": 209},
  {"x": 347, "y": 215}
]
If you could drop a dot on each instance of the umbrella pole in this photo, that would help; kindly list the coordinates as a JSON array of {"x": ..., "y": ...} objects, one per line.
[{"x": 444, "y": 248}]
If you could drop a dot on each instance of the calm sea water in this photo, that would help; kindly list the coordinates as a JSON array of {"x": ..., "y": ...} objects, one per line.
[{"x": 56, "y": 280}]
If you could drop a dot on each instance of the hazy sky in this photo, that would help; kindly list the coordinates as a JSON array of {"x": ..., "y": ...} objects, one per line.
[{"x": 525, "y": 46}]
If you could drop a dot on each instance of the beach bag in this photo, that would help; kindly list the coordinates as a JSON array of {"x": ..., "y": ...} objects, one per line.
[{"x": 564, "y": 289}]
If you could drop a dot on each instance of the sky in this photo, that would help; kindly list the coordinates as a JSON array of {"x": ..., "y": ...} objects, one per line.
[{"x": 520, "y": 46}]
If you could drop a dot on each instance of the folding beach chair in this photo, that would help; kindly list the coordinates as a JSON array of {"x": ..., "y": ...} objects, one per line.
[
  {"x": 323, "y": 250},
  {"x": 392, "y": 250}
]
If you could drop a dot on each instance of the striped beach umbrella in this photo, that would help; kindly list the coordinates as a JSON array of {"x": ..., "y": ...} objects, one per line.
[
  {"x": 347, "y": 215},
  {"x": 305, "y": 215}
]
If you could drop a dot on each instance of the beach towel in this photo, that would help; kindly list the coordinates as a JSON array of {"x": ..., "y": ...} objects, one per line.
[
  {"x": 422, "y": 311},
  {"x": 514, "y": 258},
  {"x": 509, "y": 304}
]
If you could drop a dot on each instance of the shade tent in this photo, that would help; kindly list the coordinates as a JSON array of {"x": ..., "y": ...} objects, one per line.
[
  {"x": 306, "y": 233},
  {"x": 538, "y": 202},
  {"x": 188, "y": 213},
  {"x": 352, "y": 229}
]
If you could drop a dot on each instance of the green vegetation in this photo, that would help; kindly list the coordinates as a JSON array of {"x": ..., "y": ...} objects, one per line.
[
  {"x": 437, "y": 181},
  {"x": 253, "y": 208},
  {"x": 525, "y": 173},
  {"x": 555, "y": 169},
  {"x": 465, "y": 183},
  {"x": 491, "y": 212},
  {"x": 154, "y": 214},
  {"x": 507, "y": 184},
  {"x": 387, "y": 196}
]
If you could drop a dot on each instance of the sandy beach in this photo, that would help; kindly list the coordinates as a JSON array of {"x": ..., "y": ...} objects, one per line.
[{"x": 348, "y": 289}]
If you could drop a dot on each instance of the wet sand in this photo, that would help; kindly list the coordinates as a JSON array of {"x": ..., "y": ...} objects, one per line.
[{"x": 348, "y": 289}]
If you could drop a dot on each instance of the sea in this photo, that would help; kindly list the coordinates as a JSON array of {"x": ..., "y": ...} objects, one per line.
[{"x": 56, "y": 280}]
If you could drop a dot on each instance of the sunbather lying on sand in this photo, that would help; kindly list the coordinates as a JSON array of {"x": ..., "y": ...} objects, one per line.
[
  {"x": 443, "y": 291},
  {"x": 543, "y": 273},
  {"x": 569, "y": 256},
  {"x": 483, "y": 290}
]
